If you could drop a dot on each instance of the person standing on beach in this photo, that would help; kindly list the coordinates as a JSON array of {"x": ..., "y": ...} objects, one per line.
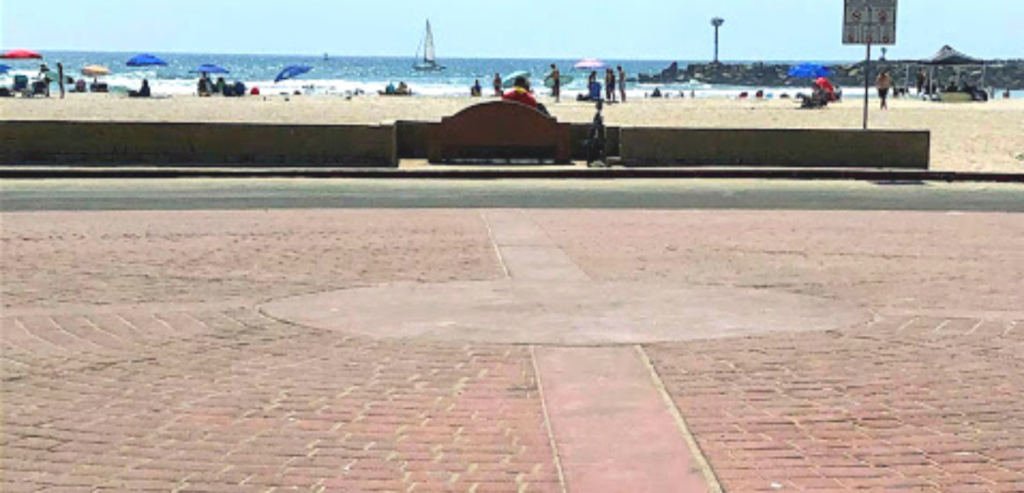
[
  {"x": 497, "y": 85},
  {"x": 556, "y": 83},
  {"x": 60, "y": 78},
  {"x": 622, "y": 83},
  {"x": 922, "y": 81},
  {"x": 609, "y": 85},
  {"x": 884, "y": 85}
]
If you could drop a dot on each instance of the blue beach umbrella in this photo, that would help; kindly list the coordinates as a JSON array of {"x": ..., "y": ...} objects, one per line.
[
  {"x": 146, "y": 61},
  {"x": 809, "y": 71},
  {"x": 292, "y": 72},
  {"x": 210, "y": 69}
]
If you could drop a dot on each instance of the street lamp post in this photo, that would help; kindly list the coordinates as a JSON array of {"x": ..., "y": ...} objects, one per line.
[{"x": 717, "y": 22}]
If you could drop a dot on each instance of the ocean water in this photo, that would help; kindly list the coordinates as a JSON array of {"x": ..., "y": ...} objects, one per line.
[
  {"x": 346, "y": 75},
  {"x": 339, "y": 75}
]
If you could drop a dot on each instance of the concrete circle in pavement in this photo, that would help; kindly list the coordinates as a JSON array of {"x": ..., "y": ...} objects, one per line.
[{"x": 562, "y": 313}]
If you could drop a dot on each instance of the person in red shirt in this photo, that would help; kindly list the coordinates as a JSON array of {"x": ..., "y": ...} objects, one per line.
[
  {"x": 521, "y": 93},
  {"x": 826, "y": 88}
]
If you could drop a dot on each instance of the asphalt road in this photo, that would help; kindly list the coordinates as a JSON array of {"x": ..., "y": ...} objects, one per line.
[{"x": 245, "y": 194}]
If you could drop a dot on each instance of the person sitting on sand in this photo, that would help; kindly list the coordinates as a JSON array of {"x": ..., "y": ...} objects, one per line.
[
  {"x": 205, "y": 88},
  {"x": 656, "y": 93},
  {"x": 824, "y": 89},
  {"x": 219, "y": 87},
  {"x": 403, "y": 90},
  {"x": 824, "y": 93},
  {"x": 390, "y": 89},
  {"x": 143, "y": 92}
]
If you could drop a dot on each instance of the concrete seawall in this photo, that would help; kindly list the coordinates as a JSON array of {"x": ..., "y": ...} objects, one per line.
[
  {"x": 84, "y": 143},
  {"x": 645, "y": 147},
  {"x": 382, "y": 146}
]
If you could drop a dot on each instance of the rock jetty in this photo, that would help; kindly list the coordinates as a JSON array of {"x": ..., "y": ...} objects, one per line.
[{"x": 999, "y": 74}]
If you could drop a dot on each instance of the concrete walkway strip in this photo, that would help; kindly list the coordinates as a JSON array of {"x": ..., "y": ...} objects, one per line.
[
  {"x": 526, "y": 251},
  {"x": 611, "y": 426}
]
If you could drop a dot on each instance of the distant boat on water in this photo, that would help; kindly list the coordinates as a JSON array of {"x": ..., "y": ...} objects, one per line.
[{"x": 429, "y": 61}]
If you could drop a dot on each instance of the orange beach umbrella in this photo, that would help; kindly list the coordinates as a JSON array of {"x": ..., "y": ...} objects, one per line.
[{"x": 95, "y": 71}]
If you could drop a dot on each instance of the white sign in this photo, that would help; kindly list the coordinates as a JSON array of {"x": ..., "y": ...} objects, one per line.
[{"x": 869, "y": 22}]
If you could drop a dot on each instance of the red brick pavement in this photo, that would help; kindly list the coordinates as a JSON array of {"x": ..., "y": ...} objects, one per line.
[
  {"x": 122, "y": 368},
  {"x": 51, "y": 260},
  {"x": 908, "y": 404},
  {"x": 232, "y": 401}
]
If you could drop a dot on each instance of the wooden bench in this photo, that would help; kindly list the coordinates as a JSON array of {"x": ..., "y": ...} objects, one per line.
[{"x": 500, "y": 132}]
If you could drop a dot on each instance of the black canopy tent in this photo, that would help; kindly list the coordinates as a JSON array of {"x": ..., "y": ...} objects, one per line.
[{"x": 950, "y": 57}]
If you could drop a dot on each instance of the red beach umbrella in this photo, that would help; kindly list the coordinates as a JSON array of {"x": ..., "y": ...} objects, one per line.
[{"x": 21, "y": 54}]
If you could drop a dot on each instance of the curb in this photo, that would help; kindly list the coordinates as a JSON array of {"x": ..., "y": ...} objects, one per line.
[{"x": 18, "y": 173}]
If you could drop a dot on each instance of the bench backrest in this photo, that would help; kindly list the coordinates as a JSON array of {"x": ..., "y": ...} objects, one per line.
[{"x": 499, "y": 131}]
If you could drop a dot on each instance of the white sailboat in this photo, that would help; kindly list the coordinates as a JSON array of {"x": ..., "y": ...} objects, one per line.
[{"x": 429, "y": 61}]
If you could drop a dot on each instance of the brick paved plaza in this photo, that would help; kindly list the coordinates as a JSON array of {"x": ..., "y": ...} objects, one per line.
[{"x": 143, "y": 351}]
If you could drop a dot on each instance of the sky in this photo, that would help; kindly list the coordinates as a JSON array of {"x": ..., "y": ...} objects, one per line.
[{"x": 613, "y": 29}]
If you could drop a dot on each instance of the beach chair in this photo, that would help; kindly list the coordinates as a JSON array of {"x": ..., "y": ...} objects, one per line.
[
  {"x": 39, "y": 88},
  {"x": 20, "y": 85}
]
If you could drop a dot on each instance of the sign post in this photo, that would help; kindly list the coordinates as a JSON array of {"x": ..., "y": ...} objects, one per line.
[
  {"x": 869, "y": 22},
  {"x": 867, "y": 84}
]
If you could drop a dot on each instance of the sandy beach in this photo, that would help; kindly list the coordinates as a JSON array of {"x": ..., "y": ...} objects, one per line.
[{"x": 965, "y": 137}]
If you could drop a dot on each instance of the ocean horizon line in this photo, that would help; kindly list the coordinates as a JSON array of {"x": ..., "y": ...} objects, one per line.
[
  {"x": 320, "y": 56},
  {"x": 311, "y": 56}
]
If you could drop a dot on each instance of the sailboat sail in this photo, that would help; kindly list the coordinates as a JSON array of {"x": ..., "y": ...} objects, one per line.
[
  {"x": 429, "y": 62},
  {"x": 428, "y": 52}
]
